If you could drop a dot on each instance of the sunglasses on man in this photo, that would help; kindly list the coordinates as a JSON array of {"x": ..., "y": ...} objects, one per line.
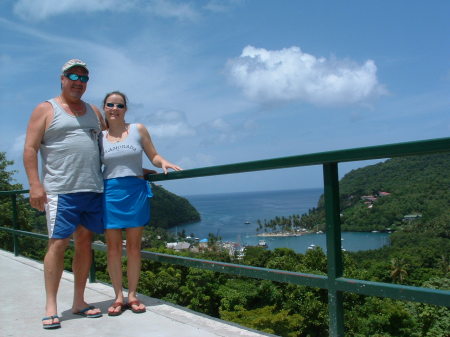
[{"x": 75, "y": 77}]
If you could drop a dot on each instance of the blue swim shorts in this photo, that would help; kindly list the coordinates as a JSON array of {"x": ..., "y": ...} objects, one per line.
[{"x": 65, "y": 212}]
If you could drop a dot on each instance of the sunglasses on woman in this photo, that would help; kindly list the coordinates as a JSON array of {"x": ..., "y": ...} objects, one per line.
[{"x": 118, "y": 105}]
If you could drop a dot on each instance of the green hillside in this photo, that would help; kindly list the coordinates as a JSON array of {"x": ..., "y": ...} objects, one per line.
[
  {"x": 418, "y": 187},
  {"x": 170, "y": 210}
]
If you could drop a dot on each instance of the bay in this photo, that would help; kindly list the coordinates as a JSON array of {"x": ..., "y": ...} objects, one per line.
[{"x": 233, "y": 217}]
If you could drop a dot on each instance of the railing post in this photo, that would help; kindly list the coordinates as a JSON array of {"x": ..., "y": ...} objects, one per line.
[
  {"x": 92, "y": 278},
  {"x": 334, "y": 253},
  {"x": 15, "y": 224}
]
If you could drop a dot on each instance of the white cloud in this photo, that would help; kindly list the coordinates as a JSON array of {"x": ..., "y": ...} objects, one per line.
[
  {"x": 169, "y": 9},
  {"x": 220, "y": 131},
  {"x": 289, "y": 74},
  {"x": 150, "y": 86},
  {"x": 220, "y": 6},
  {"x": 42, "y": 9},
  {"x": 198, "y": 160},
  {"x": 220, "y": 124},
  {"x": 19, "y": 142},
  {"x": 168, "y": 124}
]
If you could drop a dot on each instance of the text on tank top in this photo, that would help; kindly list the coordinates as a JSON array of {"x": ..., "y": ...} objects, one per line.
[{"x": 123, "y": 158}]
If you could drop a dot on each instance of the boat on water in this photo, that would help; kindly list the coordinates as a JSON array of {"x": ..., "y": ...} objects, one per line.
[
  {"x": 263, "y": 243},
  {"x": 311, "y": 246},
  {"x": 247, "y": 222}
]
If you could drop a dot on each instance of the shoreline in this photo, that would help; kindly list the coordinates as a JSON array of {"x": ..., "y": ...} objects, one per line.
[
  {"x": 289, "y": 234},
  {"x": 286, "y": 234}
]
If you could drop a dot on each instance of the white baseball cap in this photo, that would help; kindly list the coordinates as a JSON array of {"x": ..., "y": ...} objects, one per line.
[{"x": 74, "y": 63}]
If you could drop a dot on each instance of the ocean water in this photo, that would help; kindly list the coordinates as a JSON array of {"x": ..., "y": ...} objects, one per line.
[{"x": 227, "y": 215}]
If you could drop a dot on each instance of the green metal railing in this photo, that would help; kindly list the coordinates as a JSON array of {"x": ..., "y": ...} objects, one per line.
[{"x": 334, "y": 282}]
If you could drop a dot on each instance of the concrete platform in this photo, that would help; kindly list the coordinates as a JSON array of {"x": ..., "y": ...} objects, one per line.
[{"x": 22, "y": 297}]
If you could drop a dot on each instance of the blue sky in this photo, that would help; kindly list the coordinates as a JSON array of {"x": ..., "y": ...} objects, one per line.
[{"x": 219, "y": 82}]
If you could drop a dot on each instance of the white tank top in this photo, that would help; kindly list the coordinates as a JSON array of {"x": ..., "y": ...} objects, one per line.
[{"x": 124, "y": 158}]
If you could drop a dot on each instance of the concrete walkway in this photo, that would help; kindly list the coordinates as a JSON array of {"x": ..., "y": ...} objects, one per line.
[{"x": 22, "y": 297}]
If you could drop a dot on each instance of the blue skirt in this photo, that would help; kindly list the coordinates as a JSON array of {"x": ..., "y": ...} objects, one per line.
[{"x": 125, "y": 202}]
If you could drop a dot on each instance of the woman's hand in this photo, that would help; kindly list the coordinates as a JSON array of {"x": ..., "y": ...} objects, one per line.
[{"x": 165, "y": 165}]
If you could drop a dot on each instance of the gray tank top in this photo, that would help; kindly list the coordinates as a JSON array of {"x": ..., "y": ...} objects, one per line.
[
  {"x": 70, "y": 152},
  {"x": 124, "y": 158}
]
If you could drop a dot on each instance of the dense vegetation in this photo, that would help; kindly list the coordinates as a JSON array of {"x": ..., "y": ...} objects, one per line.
[
  {"x": 290, "y": 310},
  {"x": 418, "y": 255},
  {"x": 378, "y": 197},
  {"x": 25, "y": 214},
  {"x": 417, "y": 185},
  {"x": 170, "y": 210}
]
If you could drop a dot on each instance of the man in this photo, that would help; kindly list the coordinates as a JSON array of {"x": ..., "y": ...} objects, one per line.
[{"x": 65, "y": 131}]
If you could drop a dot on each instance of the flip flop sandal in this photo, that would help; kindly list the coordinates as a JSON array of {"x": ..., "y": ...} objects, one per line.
[
  {"x": 136, "y": 311},
  {"x": 114, "y": 306},
  {"x": 52, "y": 325},
  {"x": 85, "y": 314}
]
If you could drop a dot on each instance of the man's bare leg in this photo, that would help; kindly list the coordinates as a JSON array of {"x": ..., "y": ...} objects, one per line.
[
  {"x": 81, "y": 264},
  {"x": 53, "y": 269}
]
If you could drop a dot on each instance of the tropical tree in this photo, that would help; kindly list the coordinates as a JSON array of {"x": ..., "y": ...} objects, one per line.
[
  {"x": 267, "y": 319},
  {"x": 199, "y": 291},
  {"x": 213, "y": 240},
  {"x": 398, "y": 269},
  {"x": 444, "y": 263}
]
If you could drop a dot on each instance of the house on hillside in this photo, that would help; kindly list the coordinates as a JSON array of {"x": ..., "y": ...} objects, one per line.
[
  {"x": 411, "y": 217},
  {"x": 203, "y": 243},
  {"x": 383, "y": 194},
  {"x": 178, "y": 245},
  {"x": 370, "y": 199}
]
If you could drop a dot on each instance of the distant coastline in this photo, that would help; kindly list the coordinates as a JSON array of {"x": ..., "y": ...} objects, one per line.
[
  {"x": 291, "y": 234},
  {"x": 234, "y": 215},
  {"x": 286, "y": 234}
]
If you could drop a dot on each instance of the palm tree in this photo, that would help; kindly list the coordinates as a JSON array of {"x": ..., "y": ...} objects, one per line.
[
  {"x": 260, "y": 226},
  {"x": 444, "y": 264},
  {"x": 398, "y": 269},
  {"x": 213, "y": 240}
]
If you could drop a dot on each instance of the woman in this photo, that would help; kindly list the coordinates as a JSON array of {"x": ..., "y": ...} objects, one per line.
[{"x": 126, "y": 193}]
